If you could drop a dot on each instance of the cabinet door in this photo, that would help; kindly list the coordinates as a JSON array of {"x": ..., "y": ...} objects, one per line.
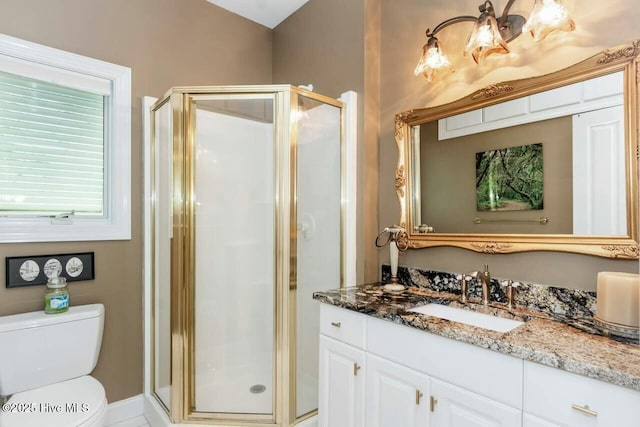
[
  {"x": 456, "y": 407},
  {"x": 341, "y": 394},
  {"x": 572, "y": 400},
  {"x": 396, "y": 396},
  {"x": 531, "y": 421}
]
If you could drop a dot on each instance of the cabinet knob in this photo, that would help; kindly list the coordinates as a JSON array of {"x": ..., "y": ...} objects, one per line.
[
  {"x": 418, "y": 396},
  {"x": 585, "y": 409},
  {"x": 356, "y": 368},
  {"x": 336, "y": 324},
  {"x": 432, "y": 403}
]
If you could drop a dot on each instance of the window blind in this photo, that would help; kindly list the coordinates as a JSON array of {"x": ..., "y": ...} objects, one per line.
[{"x": 51, "y": 148}]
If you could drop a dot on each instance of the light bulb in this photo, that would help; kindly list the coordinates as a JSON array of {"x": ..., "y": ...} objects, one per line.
[
  {"x": 485, "y": 39},
  {"x": 485, "y": 36},
  {"x": 432, "y": 60},
  {"x": 546, "y": 17}
]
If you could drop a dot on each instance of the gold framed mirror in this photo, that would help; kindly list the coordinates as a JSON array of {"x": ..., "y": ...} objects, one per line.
[{"x": 548, "y": 163}]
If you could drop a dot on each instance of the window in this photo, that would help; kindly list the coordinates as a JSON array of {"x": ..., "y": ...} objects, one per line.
[{"x": 65, "y": 144}]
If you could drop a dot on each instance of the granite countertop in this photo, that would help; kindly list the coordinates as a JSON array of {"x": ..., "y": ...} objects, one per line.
[{"x": 551, "y": 340}]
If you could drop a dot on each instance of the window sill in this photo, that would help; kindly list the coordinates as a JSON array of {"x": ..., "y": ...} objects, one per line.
[{"x": 25, "y": 231}]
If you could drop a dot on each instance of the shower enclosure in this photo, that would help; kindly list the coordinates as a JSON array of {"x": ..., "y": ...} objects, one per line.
[{"x": 247, "y": 208}]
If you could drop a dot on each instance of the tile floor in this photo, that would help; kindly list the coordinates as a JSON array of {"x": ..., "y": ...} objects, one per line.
[{"x": 133, "y": 422}]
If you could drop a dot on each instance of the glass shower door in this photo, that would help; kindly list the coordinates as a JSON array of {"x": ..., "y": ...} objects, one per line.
[
  {"x": 162, "y": 178},
  {"x": 319, "y": 241},
  {"x": 233, "y": 350}
]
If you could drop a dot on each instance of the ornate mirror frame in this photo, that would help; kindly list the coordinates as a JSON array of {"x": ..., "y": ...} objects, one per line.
[{"x": 624, "y": 58}]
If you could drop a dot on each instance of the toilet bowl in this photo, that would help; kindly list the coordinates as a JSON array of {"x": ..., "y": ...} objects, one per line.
[
  {"x": 79, "y": 402},
  {"x": 44, "y": 365}
]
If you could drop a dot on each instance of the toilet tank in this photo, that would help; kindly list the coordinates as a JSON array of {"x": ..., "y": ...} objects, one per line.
[{"x": 38, "y": 349}]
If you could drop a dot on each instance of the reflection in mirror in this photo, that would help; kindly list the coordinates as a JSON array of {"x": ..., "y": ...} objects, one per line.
[{"x": 549, "y": 163}]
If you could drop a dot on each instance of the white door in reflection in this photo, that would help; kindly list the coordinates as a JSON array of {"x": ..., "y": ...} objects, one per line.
[{"x": 599, "y": 187}]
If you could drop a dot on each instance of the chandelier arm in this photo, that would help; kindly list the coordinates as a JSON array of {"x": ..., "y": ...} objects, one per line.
[
  {"x": 451, "y": 21},
  {"x": 487, "y": 6},
  {"x": 505, "y": 14}
]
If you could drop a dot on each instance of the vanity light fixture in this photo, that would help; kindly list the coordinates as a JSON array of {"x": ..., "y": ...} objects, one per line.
[{"x": 491, "y": 34}]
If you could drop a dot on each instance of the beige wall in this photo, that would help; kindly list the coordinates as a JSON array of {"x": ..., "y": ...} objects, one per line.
[
  {"x": 325, "y": 44},
  {"x": 448, "y": 174},
  {"x": 403, "y": 25},
  {"x": 166, "y": 43}
]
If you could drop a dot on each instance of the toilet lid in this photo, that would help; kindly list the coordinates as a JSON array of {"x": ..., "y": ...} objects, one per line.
[{"x": 64, "y": 404}]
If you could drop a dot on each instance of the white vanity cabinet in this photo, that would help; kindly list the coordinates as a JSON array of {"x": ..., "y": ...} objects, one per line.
[
  {"x": 341, "y": 382},
  {"x": 406, "y": 374},
  {"x": 342, "y": 368},
  {"x": 569, "y": 400},
  {"x": 396, "y": 395},
  {"x": 456, "y": 407},
  {"x": 468, "y": 386},
  {"x": 374, "y": 373}
]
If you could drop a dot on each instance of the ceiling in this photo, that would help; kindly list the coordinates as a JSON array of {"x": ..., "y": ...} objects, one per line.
[{"x": 269, "y": 13}]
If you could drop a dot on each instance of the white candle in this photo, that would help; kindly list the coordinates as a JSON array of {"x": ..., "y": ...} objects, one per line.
[{"x": 618, "y": 298}]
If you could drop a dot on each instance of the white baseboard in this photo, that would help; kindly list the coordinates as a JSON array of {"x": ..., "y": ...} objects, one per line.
[
  {"x": 310, "y": 422},
  {"x": 154, "y": 414},
  {"x": 124, "y": 409}
]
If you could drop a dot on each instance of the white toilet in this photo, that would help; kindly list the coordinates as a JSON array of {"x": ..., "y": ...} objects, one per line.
[{"x": 45, "y": 361}]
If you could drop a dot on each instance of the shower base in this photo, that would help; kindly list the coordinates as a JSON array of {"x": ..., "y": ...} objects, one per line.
[{"x": 231, "y": 391}]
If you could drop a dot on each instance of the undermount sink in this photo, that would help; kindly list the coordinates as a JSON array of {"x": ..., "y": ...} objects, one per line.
[{"x": 468, "y": 317}]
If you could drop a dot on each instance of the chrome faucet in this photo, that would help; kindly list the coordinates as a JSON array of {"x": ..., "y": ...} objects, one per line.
[{"x": 485, "y": 281}]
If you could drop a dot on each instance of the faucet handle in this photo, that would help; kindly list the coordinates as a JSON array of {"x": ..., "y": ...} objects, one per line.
[
  {"x": 510, "y": 285},
  {"x": 464, "y": 287}
]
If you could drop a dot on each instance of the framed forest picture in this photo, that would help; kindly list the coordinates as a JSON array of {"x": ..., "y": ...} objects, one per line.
[{"x": 510, "y": 179}]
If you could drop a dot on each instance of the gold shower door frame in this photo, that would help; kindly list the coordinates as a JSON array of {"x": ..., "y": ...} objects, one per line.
[{"x": 285, "y": 98}]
